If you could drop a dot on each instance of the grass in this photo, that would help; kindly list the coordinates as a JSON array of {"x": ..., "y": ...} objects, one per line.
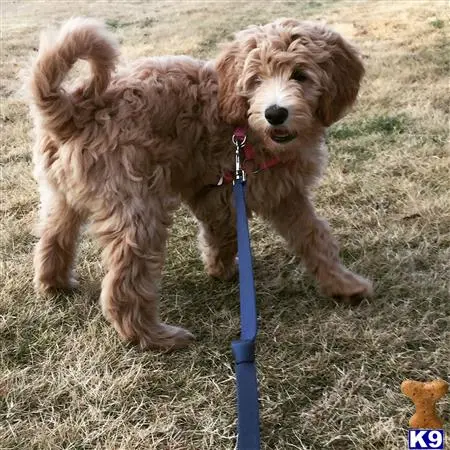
[{"x": 329, "y": 375}]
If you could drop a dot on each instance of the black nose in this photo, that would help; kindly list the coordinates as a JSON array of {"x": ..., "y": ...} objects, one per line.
[{"x": 276, "y": 115}]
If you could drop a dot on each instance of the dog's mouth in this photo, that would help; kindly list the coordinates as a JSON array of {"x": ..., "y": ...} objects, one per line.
[{"x": 281, "y": 135}]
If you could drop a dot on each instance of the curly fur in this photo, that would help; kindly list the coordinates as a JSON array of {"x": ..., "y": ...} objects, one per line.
[{"x": 122, "y": 150}]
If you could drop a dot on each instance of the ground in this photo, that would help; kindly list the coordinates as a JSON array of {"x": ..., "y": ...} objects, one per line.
[{"x": 329, "y": 375}]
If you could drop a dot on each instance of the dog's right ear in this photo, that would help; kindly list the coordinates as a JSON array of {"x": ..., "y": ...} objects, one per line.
[{"x": 233, "y": 105}]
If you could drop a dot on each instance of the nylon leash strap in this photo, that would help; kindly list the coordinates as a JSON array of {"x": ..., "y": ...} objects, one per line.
[{"x": 244, "y": 348}]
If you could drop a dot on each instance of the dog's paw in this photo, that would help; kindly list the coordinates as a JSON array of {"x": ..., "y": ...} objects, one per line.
[
  {"x": 221, "y": 271},
  {"x": 348, "y": 288},
  {"x": 49, "y": 285},
  {"x": 166, "y": 338}
]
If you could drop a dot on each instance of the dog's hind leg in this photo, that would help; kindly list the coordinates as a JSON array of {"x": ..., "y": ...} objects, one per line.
[
  {"x": 217, "y": 231},
  {"x": 134, "y": 240},
  {"x": 55, "y": 252}
]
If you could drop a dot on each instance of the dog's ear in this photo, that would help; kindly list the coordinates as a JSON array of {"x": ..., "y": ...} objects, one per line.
[
  {"x": 344, "y": 69},
  {"x": 233, "y": 104}
]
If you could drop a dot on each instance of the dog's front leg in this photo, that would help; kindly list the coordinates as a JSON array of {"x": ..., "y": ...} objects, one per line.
[{"x": 310, "y": 237}]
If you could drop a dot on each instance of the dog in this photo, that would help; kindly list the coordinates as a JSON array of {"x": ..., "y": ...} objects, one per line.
[{"x": 123, "y": 149}]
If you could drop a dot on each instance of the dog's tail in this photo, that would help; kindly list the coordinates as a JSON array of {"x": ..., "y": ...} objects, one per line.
[{"x": 79, "y": 38}]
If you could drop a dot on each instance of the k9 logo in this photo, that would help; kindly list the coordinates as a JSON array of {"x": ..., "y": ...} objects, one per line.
[{"x": 426, "y": 439}]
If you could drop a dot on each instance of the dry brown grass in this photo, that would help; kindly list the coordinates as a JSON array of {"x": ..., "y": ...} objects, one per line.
[{"x": 330, "y": 376}]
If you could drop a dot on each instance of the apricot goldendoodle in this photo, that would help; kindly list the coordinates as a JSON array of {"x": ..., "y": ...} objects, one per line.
[{"x": 122, "y": 150}]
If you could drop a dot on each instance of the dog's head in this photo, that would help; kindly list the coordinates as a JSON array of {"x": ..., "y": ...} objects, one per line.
[{"x": 286, "y": 79}]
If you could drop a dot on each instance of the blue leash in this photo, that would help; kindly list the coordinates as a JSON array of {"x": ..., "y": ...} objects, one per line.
[{"x": 244, "y": 348}]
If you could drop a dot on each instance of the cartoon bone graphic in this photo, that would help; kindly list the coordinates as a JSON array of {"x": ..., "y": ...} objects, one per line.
[{"x": 425, "y": 395}]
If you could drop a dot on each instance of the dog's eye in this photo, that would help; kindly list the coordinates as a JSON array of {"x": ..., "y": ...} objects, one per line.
[
  {"x": 257, "y": 81},
  {"x": 299, "y": 75}
]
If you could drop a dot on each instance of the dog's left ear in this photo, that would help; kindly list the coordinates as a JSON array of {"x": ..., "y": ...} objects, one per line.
[{"x": 345, "y": 70}]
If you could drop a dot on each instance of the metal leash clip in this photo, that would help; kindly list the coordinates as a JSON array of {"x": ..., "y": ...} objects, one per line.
[{"x": 239, "y": 143}]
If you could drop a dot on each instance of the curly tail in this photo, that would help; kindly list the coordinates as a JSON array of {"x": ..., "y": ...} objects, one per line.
[{"x": 79, "y": 38}]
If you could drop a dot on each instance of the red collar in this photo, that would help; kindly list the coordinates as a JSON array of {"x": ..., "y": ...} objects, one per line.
[{"x": 249, "y": 165}]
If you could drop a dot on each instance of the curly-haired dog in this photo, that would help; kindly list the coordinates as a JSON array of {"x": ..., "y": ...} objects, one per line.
[{"x": 122, "y": 150}]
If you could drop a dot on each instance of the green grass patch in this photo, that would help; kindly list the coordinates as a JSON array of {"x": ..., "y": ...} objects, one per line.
[
  {"x": 437, "y": 23},
  {"x": 116, "y": 24},
  {"x": 384, "y": 125}
]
